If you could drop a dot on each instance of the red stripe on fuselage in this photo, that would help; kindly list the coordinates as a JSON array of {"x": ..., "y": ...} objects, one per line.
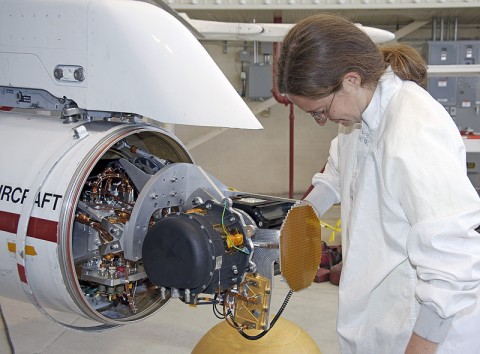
[
  {"x": 37, "y": 228},
  {"x": 42, "y": 229},
  {"x": 21, "y": 273},
  {"x": 9, "y": 222}
]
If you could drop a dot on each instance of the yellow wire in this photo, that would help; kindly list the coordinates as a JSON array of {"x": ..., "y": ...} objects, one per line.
[
  {"x": 334, "y": 229},
  {"x": 227, "y": 233}
]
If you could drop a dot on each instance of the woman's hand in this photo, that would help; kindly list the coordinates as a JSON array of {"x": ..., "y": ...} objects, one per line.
[{"x": 419, "y": 345}]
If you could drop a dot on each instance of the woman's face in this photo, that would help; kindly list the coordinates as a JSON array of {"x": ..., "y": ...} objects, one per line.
[
  {"x": 344, "y": 106},
  {"x": 335, "y": 107}
]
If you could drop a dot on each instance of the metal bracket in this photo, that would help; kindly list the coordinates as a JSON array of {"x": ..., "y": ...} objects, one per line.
[{"x": 176, "y": 185}]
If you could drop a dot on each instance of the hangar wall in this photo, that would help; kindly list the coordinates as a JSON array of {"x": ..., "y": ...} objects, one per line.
[{"x": 258, "y": 160}]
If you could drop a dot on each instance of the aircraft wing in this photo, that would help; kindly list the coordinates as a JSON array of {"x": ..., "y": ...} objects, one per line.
[{"x": 263, "y": 32}]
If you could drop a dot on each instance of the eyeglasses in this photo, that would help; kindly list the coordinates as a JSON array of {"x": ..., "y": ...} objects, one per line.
[{"x": 322, "y": 116}]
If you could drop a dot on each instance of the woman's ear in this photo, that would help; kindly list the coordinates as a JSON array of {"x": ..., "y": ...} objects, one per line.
[{"x": 352, "y": 79}]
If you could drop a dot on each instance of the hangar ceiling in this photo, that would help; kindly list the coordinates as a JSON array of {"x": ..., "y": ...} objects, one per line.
[{"x": 391, "y": 15}]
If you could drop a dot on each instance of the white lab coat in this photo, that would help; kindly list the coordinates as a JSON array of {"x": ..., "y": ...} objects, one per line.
[{"x": 411, "y": 257}]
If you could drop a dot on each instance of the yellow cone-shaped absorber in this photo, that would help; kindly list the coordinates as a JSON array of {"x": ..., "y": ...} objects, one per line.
[{"x": 285, "y": 337}]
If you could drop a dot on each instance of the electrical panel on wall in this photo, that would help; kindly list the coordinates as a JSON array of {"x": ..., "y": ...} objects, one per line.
[
  {"x": 258, "y": 77},
  {"x": 459, "y": 95}
]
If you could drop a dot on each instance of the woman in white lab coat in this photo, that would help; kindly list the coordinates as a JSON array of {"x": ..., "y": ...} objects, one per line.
[{"x": 411, "y": 255}]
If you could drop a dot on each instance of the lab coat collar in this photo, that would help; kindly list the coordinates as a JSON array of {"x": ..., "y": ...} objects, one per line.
[{"x": 387, "y": 86}]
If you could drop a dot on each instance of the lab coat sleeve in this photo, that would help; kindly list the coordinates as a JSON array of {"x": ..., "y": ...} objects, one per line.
[
  {"x": 425, "y": 170},
  {"x": 446, "y": 252},
  {"x": 326, "y": 185}
]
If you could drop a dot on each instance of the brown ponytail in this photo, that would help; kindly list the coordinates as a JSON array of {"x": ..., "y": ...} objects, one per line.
[{"x": 406, "y": 62}]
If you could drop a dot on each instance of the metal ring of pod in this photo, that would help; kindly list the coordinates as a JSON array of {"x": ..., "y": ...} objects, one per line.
[{"x": 60, "y": 223}]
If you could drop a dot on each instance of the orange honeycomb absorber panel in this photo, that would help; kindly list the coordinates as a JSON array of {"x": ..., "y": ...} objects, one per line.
[{"x": 300, "y": 246}]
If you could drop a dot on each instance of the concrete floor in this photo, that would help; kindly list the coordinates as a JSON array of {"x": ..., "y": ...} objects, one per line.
[{"x": 174, "y": 329}]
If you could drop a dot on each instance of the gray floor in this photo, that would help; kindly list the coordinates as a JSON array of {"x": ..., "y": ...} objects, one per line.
[{"x": 174, "y": 329}]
